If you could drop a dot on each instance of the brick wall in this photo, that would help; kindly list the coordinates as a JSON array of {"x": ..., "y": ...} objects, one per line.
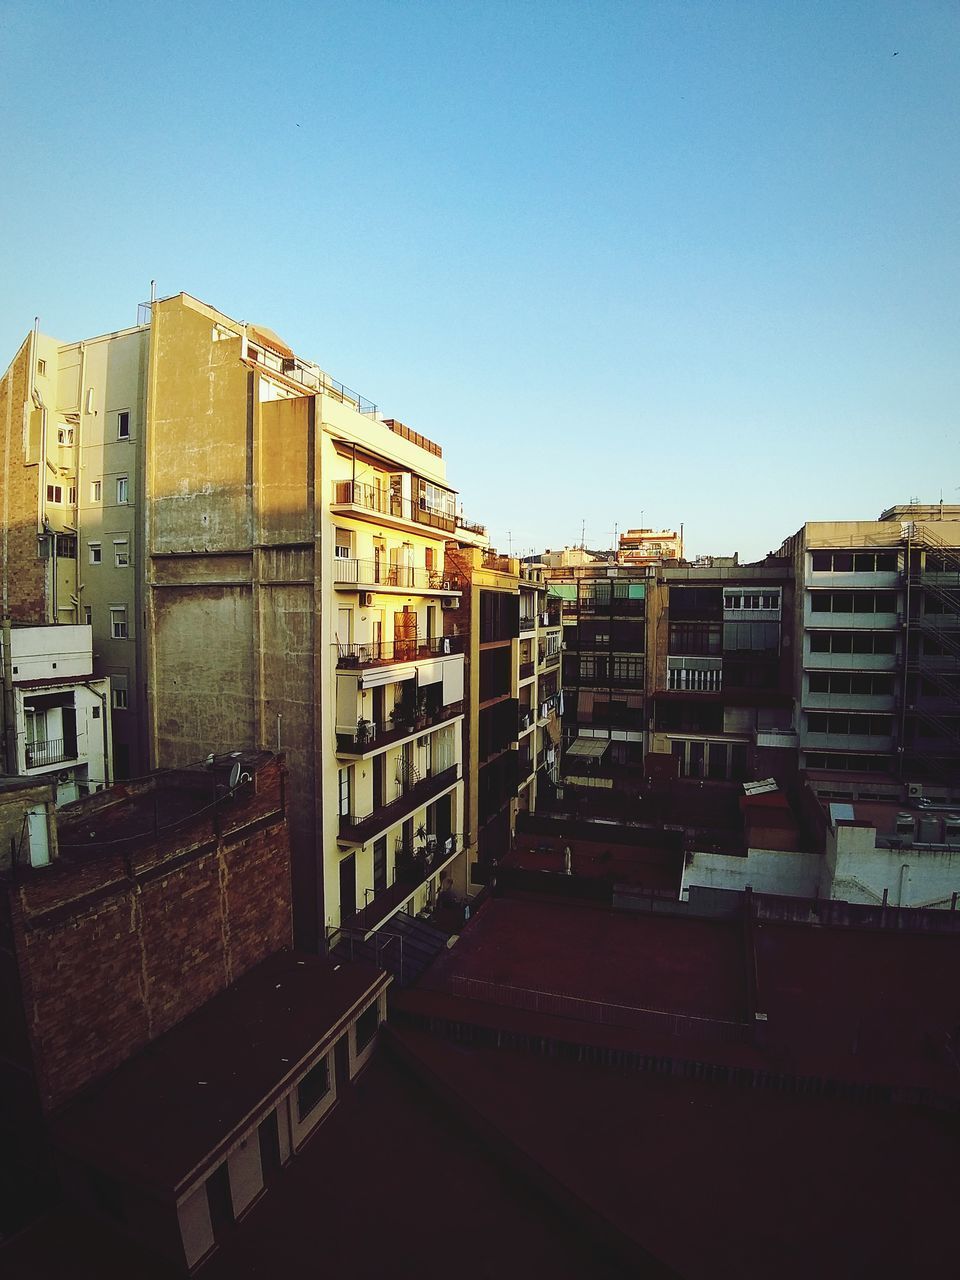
[
  {"x": 21, "y": 572},
  {"x": 116, "y": 946}
]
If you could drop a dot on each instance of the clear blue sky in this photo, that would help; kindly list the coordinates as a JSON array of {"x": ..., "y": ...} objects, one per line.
[{"x": 687, "y": 261}]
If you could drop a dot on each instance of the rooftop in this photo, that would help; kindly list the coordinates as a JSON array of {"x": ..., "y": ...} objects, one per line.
[{"x": 160, "y": 1117}]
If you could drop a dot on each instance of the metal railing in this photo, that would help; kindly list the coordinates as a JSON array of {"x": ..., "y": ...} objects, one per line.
[
  {"x": 382, "y": 501},
  {"x": 377, "y": 653},
  {"x": 369, "y": 735},
  {"x": 53, "y": 751},
  {"x": 600, "y": 1012},
  {"x": 377, "y": 573},
  {"x": 359, "y": 826}
]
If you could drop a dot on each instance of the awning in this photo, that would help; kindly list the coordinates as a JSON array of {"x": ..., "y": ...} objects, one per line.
[{"x": 592, "y": 748}]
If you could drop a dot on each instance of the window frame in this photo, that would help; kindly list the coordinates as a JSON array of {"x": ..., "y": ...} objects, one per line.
[
  {"x": 123, "y": 419},
  {"x": 123, "y": 491},
  {"x": 119, "y": 624}
]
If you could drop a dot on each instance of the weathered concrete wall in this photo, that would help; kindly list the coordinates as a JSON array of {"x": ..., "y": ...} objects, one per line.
[{"x": 22, "y": 574}]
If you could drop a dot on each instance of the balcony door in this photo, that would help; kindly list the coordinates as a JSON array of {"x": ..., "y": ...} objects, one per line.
[
  {"x": 405, "y": 635},
  {"x": 379, "y": 560},
  {"x": 348, "y": 887}
]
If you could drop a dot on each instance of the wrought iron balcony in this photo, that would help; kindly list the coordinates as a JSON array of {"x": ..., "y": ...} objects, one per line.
[
  {"x": 53, "y": 751},
  {"x": 357, "y": 828},
  {"x": 383, "y": 502},
  {"x": 382, "y": 653},
  {"x": 378, "y": 573},
  {"x": 371, "y": 735}
]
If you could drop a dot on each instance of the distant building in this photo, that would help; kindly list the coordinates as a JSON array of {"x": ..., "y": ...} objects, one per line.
[{"x": 649, "y": 546}]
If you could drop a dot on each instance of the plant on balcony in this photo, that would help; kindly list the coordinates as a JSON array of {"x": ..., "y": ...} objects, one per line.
[{"x": 364, "y": 731}]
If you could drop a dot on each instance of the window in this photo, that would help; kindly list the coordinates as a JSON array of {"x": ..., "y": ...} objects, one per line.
[
  {"x": 313, "y": 1088},
  {"x": 854, "y": 561},
  {"x": 429, "y": 558},
  {"x": 72, "y": 495},
  {"x": 852, "y": 682},
  {"x": 343, "y": 777},
  {"x": 87, "y": 615},
  {"x": 366, "y": 1027},
  {"x": 66, "y": 546},
  {"x": 96, "y": 553},
  {"x": 55, "y": 493},
  {"x": 121, "y": 553},
  {"x": 96, "y": 490},
  {"x": 119, "y": 692},
  {"x": 853, "y": 642},
  {"x": 65, "y": 436},
  {"x": 842, "y": 722},
  {"x": 853, "y": 602},
  {"x": 123, "y": 424},
  {"x": 41, "y": 368},
  {"x": 123, "y": 489},
  {"x": 118, "y": 622},
  {"x": 751, "y": 600},
  {"x": 341, "y": 549},
  {"x": 695, "y": 637}
]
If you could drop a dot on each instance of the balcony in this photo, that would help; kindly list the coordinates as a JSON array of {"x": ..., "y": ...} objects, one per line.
[
  {"x": 38, "y": 755},
  {"x": 527, "y": 669},
  {"x": 349, "y": 574},
  {"x": 549, "y": 660},
  {"x": 528, "y": 622},
  {"x": 358, "y": 828},
  {"x": 385, "y": 653},
  {"x": 353, "y": 498},
  {"x": 371, "y": 736},
  {"x": 413, "y": 867}
]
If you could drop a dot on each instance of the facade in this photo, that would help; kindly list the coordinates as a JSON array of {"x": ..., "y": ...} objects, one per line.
[
  {"x": 719, "y": 674},
  {"x": 877, "y": 652},
  {"x": 72, "y": 417},
  {"x": 58, "y": 711},
  {"x": 649, "y": 546},
  {"x": 540, "y": 696},
  {"x": 259, "y": 554}
]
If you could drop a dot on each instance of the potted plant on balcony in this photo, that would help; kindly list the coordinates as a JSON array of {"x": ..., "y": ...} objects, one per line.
[
  {"x": 420, "y": 714},
  {"x": 364, "y": 731}
]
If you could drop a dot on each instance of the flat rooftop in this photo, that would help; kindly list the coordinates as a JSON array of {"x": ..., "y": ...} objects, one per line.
[{"x": 157, "y": 1118}]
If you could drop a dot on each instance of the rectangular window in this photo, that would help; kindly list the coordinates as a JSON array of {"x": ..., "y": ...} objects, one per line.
[
  {"x": 87, "y": 615},
  {"x": 123, "y": 489},
  {"x": 65, "y": 436},
  {"x": 96, "y": 552},
  {"x": 41, "y": 368},
  {"x": 366, "y": 1027},
  {"x": 55, "y": 493},
  {"x": 854, "y": 561},
  {"x": 118, "y": 622},
  {"x": 313, "y": 1088},
  {"x": 72, "y": 495},
  {"x": 96, "y": 490},
  {"x": 120, "y": 698},
  {"x": 123, "y": 424},
  {"x": 343, "y": 776},
  {"x": 121, "y": 553},
  {"x": 341, "y": 548},
  {"x": 66, "y": 546}
]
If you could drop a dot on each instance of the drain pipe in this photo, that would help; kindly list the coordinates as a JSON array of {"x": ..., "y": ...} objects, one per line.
[{"x": 9, "y": 719}]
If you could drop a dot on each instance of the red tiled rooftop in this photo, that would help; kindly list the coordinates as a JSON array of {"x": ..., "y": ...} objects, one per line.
[{"x": 686, "y": 966}]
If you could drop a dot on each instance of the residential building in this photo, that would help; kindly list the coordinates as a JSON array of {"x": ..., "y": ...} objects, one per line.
[
  {"x": 877, "y": 645},
  {"x": 649, "y": 546},
  {"x": 72, "y": 422},
  {"x": 259, "y": 553},
  {"x": 59, "y": 726},
  {"x": 540, "y": 696},
  {"x": 719, "y": 674}
]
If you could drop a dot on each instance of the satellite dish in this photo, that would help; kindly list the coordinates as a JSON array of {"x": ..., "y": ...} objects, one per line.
[{"x": 235, "y": 775}]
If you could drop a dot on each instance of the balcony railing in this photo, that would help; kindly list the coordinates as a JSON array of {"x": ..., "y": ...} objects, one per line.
[
  {"x": 376, "y": 573},
  {"x": 528, "y": 622},
  {"x": 412, "y": 868},
  {"x": 527, "y": 669},
  {"x": 471, "y": 527},
  {"x": 383, "y": 502},
  {"x": 356, "y": 828},
  {"x": 382, "y": 653},
  {"x": 371, "y": 735},
  {"x": 53, "y": 751}
]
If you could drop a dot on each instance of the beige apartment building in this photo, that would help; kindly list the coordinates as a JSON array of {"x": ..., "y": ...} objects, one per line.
[{"x": 260, "y": 556}]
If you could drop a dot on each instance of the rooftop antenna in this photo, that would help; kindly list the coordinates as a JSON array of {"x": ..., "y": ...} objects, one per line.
[
  {"x": 583, "y": 535},
  {"x": 509, "y": 542},
  {"x": 153, "y": 292}
]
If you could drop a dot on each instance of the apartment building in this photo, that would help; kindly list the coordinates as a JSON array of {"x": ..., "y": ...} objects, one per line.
[
  {"x": 259, "y": 554},
  {"x": 719, "y": 672},
  {"x": 604, "y": 665},
  {"x": 876, "y": 662},
  {"x": 55, "y": 718},
  {"x": 540, "y": 696},
  {"x": 72, "y": 421}
]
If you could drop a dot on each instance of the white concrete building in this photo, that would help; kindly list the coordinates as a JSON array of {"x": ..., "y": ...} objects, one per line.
[{"x": 61, "y": 712}]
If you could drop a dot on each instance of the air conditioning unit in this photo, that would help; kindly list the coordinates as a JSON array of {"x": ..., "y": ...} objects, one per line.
[
  {"x": 366, "y": 599},
  {"x": 915, "y": 790},
  {"x": 448, "y": 602}
]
